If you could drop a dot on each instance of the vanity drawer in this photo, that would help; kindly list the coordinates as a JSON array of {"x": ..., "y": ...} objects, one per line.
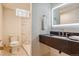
[{"x": 61, "y": 45}]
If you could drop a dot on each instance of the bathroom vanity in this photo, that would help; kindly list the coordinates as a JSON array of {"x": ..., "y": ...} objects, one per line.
[{"x": 61, "y": 43}]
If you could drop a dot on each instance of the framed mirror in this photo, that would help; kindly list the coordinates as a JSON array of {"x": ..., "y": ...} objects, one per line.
[{"x": 67, "y": 13}]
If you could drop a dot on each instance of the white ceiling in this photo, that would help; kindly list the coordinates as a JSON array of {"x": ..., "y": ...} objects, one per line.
[
  {"x": 16, "y": 5},
  {"x": 69, "y": 7},
  {"x": 55, "y": 4}
]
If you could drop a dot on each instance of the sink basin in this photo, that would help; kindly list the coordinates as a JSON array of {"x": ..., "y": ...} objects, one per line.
[
  {"x": 66, "y": 38},
  {"x": 75, "y": 38}
]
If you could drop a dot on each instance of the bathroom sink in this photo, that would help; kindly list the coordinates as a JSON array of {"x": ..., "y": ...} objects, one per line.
[
  {"x": 66, "y": 38},
  {"x": 74, "y": 38}
]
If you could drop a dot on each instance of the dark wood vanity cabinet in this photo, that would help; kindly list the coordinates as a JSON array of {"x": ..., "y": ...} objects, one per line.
[
  {"x": 74, "y": 48},
  {"x": 45, "y": 39},
  {"x": 68, "y": 47}
]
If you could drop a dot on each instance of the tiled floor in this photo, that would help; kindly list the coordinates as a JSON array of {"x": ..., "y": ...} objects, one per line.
[{"x": 20, "y": 52}]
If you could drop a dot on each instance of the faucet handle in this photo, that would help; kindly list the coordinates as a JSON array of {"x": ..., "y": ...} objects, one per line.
[
  {"x": 62, "y": 33},
  {"x": 67, "y": 34},
  {"x": 59, "y": 33}
]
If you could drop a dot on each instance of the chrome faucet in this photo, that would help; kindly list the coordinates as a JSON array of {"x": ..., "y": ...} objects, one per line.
[
  {"x": 67, "y": 34},
  {"x": 59, "y": 33},
  {"x": 62, "y": 32}
]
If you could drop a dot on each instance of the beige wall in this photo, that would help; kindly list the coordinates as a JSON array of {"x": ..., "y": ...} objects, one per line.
[
  {"x": 71, "y": 16},
  {"x": 18, "y": 26},
  {"x": 11, "y": 22},
  {"x": 1, "y": 21}
]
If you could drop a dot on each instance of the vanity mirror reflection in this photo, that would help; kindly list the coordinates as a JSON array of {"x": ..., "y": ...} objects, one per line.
[{"x": 65, "y": 13}]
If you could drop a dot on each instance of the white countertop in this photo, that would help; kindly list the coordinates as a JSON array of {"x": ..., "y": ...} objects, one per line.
[{"x": 60, "y": 37}]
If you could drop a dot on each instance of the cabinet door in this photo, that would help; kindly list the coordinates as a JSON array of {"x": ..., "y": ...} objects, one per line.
[
  {"x": 74, "y": 48},
  {"x": 44, "y": 39},
  {"x": 59, "y": 44}
]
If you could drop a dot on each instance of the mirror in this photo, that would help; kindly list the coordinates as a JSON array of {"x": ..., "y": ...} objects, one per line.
[{"x": 65, "y": 14}]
